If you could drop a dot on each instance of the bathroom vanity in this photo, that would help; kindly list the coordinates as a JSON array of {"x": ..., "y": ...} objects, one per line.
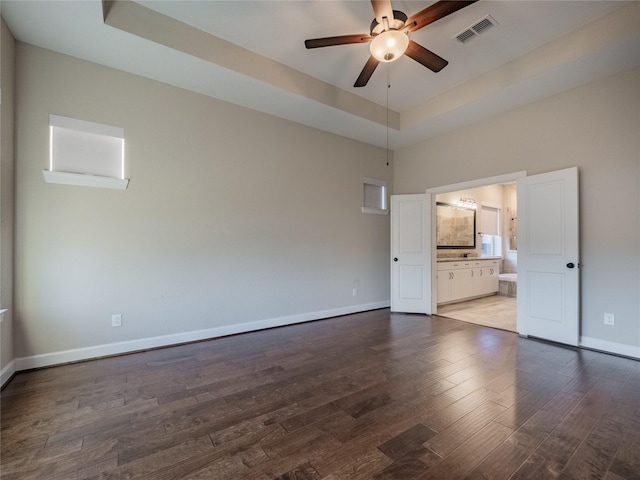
[{"x": 463, "y": 279}]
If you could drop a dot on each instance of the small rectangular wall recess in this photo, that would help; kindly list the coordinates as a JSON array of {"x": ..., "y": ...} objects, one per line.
[{"x": 85, "y": 153}]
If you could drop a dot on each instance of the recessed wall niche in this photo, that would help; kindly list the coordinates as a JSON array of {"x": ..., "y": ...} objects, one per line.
[{"x": 85, "y": 153}]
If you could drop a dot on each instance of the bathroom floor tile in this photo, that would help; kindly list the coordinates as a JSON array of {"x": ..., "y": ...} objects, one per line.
[{"x": 496, "y": 311}]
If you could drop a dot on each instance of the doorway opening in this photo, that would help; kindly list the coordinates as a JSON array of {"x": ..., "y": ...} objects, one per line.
[{"x": 478, "y": 284}]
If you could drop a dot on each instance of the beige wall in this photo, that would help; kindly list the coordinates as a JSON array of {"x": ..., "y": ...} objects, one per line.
[
  {"x": 7, "y": 71},
  {"x": 594, "y": 127},
  {"x": 231, "y": 218},
  {"x": 235, "y": 218}
]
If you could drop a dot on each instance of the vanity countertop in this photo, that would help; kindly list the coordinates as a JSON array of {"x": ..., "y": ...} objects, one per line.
[{"x": 462, "y": 259}]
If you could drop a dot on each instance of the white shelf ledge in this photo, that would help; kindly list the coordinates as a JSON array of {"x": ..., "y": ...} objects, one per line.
[
  {"x": 376, "y": 211},
  {"x": 85, "y": 180}
]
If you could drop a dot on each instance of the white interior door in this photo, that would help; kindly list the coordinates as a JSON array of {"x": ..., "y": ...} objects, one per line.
[
  {"x": 411, "y": 242},
  {"x": 548, "y": 256}
]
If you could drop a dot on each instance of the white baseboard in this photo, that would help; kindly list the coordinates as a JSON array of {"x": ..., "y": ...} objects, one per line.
[
  {"x": 86, "y": 353},
  {"x": 7, "y": 372},
  {"x": 610, "y": 347}
]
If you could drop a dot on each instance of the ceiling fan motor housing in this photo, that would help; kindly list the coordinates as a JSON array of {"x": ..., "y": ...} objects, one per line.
[{"x": 395, "y": 23}]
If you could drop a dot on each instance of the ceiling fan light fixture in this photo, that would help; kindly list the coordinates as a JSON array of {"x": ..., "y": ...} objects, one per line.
[{"x": 389, "y": 45}]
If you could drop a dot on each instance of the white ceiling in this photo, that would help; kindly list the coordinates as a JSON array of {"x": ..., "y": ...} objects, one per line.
[{"x": 538, "y": 48}]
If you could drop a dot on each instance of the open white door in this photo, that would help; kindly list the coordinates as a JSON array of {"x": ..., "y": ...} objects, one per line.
[
  {"x": 411, "y": 241},
  {"x": 548, "y": 256}
]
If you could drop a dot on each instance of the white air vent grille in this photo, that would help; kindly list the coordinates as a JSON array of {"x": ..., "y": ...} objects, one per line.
[
  {"x": 477, "y": 28},
  {"x": 465, "y": 36},
  {"x": 483, "y": 25}
]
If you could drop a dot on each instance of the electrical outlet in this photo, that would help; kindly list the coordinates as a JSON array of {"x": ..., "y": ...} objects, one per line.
[
  {"x": 355, "y": 292},
  {"x": 609, "y": 319},
  {"x": 116, "y": 320}
]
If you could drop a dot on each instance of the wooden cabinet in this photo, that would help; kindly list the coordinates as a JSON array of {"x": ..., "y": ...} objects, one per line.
[
  {"x": 448, "y": 281},
  {"x": 489, "y": 277},
  {"x": 476, "y": 273},
  {"x": 461, "y": 280},
  {"x": 467, "y": 280}
]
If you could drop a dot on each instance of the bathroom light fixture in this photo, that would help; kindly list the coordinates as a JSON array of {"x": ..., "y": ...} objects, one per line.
[
  {"x": 389, "y": 45},
  {"x": 467, "y": 202}
]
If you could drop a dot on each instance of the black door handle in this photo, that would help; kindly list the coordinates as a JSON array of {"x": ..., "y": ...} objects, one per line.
[
  {"x": 570, "y": 265},
  {"x": 395, "y": 259}
]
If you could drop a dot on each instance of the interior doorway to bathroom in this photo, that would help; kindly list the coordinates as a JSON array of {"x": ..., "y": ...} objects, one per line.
[
  {"x": 548, "y": 306},
  {"x": 495, "y": 230}
]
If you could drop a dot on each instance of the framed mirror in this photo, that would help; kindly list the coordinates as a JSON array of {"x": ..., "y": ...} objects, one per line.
[{"x": 455, "y": 226}]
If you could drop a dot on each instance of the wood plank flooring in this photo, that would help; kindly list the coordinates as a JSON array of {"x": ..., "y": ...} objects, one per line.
[{"x": 366, "y": 396}]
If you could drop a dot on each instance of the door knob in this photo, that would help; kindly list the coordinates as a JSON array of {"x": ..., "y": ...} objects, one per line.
[
  {"x": 570, "y": 265},
  {"x": 395, "y": 259}
]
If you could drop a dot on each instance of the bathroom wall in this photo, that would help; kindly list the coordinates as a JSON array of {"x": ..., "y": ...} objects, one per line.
[
  {"x": 510, "y": 229},
  {"x": 492, "y": 195}
]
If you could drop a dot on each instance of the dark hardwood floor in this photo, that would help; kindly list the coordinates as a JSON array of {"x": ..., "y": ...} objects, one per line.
[{"x": 372, "y": 395}]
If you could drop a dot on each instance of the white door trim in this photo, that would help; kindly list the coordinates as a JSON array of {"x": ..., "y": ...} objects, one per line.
[{"x": 481, "y": 182}]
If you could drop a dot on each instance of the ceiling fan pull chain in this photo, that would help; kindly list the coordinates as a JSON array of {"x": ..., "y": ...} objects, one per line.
[{"x": 388, "y": 87}]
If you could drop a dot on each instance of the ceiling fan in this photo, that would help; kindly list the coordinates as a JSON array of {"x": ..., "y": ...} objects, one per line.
[{"x": 389, "y": 36}]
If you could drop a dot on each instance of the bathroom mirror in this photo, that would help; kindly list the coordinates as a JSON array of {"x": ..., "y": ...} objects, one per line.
[{"x": 455, "y": 226}]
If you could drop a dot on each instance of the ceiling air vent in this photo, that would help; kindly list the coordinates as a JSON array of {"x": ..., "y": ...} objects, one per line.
[
  {"x": 465, "y": 36},
  {"x": 476, "y": 29}
]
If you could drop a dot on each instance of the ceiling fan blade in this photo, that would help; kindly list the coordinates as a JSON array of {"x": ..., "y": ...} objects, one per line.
[
  {"x": 341, "y": 40},
  {"x": 382, "y": 8},
  {"x": 366, "y": 72},
  {"x": 426, "y": 57},
  {"x": 435, "y": 12}
]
